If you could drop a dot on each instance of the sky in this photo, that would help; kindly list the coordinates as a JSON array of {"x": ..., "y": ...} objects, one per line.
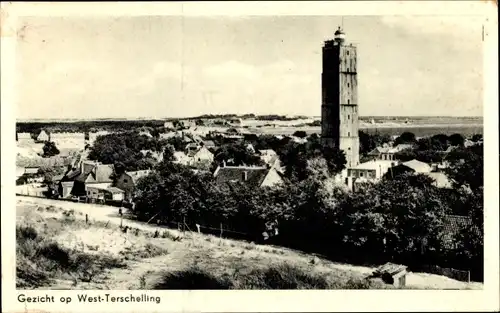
[{"x": 170, "y": 66}]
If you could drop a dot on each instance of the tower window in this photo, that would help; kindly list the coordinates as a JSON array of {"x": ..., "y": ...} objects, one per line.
[
  {"x": 348, "y": 134},
  {"x": 348, "y": 85},
  {"x": 348, "y": 101},
  {"x": 348, "y": 116},
  {"x": 347, "y": 52}
]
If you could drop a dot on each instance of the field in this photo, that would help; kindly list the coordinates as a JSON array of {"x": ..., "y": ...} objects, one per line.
[
  {"x": 418, "y": 130},
  {"x": 58, "y": 249}
]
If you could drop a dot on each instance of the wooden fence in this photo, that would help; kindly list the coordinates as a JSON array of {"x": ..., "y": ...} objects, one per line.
[{"x": 460, "y": 275}]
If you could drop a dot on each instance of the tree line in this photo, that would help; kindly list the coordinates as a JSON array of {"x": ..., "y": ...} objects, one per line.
[{"x": 400, "y": 219}]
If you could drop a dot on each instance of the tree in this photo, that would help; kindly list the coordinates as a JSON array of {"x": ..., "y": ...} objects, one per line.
[
  {"x": 237, "y": 153},
  {"x": 405, "y": 211},
  {"x": 466, "y": 167},
  {"x": 405, "y": 138},
  {"x": 50, "y": 149},
  {"x": 300, "y": 134},
  {"x": 368, "y": 142},
  {"x": 405, "y": 155},
  {"x": 470, "y": 240},
  {"x": 125, "y": 149},
  {"x": 477, "y": 137},
  {"x": 456, "y": 140}
]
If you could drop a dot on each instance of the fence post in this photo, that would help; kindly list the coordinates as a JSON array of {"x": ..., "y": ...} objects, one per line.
[{"x": 221, "y": 230}]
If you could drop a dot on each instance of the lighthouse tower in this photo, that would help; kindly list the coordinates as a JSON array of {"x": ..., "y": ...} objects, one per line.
[{"x": 339, "y": 107}]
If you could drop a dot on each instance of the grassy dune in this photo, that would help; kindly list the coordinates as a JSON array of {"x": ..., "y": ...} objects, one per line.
[{"x": 57, "y": 249}]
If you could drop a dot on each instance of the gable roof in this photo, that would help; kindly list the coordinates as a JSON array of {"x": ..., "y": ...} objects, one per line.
[
  {"x": 96, "y": 173},
  {"x": 136, "y": 175},
  {"x": 418, "y": 166},
  {"x": 230, "y": 174}
]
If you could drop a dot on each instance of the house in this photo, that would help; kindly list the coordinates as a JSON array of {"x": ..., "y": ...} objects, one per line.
[
  {"x": 194, "y": 156},
  {"x": 24, "y": 138},
  {"x": 188, "y": 123},
  {"x": 28, "y": 175},
  {"x": 202, "y": 154},
  {"x": 43, "y": 136},
  {"x": 250, "y": 175},
  {"x": 88, "y": 174},
  {"x": 371, "y": 171},
  {"x": 388, "y": 153},
  {"x": 128, "y": 182},
  {"x": 101, "y": 194},
  {"x": 169, "y": 125}
]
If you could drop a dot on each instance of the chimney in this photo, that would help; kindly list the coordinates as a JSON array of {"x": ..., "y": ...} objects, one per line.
[{"x": 245, "y": 175}]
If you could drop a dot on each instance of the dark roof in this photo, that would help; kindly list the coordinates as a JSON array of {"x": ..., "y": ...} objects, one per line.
[
  {"x": 96, "y": 173},
  {"x": 453, "y": 225},
  {"x": 229, "y": 174}
]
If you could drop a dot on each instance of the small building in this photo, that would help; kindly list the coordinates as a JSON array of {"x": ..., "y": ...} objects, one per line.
[
  {"x": 392, "y": 274},
  {"x": 43, "y": 136},
  {"x": 251, "y": 175},
  {"x": 128, "y": 182}
]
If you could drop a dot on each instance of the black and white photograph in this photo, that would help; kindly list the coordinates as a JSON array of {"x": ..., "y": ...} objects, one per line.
[{"x": 272, "y": 152}]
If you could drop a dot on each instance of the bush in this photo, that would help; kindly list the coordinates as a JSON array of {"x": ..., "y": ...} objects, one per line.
[
  {"x": 282, "y": 276},
  {"x": 192, "y": 278},
  {"x": 26, "y": 232}
]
